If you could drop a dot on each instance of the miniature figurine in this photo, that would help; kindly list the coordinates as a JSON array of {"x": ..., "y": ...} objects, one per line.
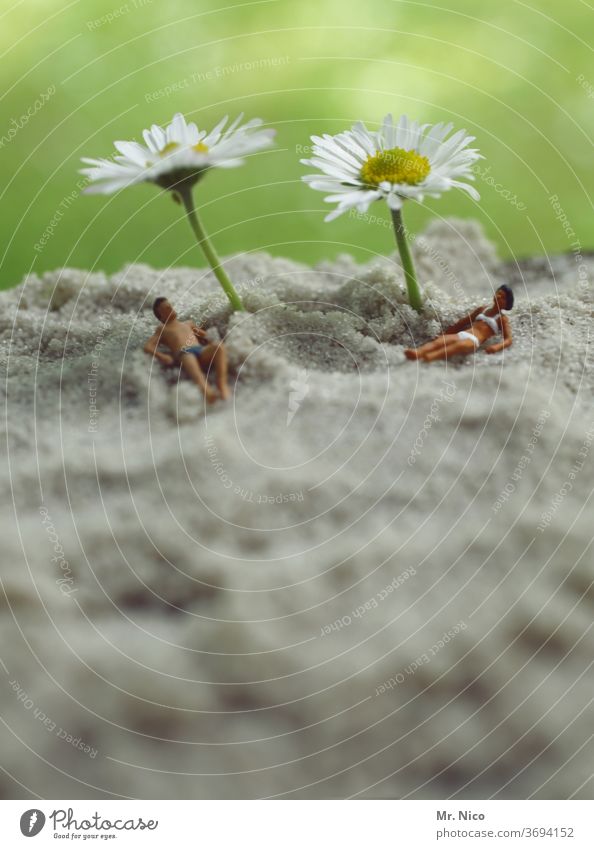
[
  {"x": 189, "y": 348},
  {"x": 468, "y": 334}
]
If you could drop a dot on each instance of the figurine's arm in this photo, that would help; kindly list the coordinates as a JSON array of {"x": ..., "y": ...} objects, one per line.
[
  {"x": 464, "y": 322},
  {"x": 506, "y": 336},
  {"x": 199, "y": 333},
  {"x": 152, "y": 348}
]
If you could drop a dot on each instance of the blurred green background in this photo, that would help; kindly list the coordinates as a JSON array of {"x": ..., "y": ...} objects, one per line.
[{"x": 520, "y": 76}]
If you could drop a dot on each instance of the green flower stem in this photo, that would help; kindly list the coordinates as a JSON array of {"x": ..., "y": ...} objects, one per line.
[
  {"x": 208, "y": 248},
  {"x": 415, "y": 298}
]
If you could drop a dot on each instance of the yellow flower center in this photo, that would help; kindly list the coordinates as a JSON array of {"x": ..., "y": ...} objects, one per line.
[
  {"x": 395, "y": 166},
  {"x": 171, "y": 146},
  {"x": 168, "y": 148}
]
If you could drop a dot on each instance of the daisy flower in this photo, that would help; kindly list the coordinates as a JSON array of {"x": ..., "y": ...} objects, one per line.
[
  {"x": 175, "y": 158},
  {"x": 403, "y": 161}
]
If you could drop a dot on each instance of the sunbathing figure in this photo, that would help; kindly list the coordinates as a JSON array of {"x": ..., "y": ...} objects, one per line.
[
  {"x": 190, "y": 348},
  {"x": 468, "y": 334}
]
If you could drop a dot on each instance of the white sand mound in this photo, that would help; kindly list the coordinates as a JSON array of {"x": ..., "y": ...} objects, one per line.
[{"x": 359, "y": 577}]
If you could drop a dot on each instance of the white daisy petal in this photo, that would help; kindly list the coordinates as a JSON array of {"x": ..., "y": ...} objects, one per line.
[
  {"x": 351, "y": 200},
  {"x": 96, "y": 162},
  {"x": 352, "y": 155},
  {"x": 394, "y": 201},
  {"x": 413, "y": 192},
  {"x": 177, "y": 130},
  {"x": 336, "y": 170},
  {"x": 402, "y": 133},
  {"x": 329, "y": 185},
  {"x": 104, "y": 169},
  {"x": 326, "y": 159},
  {"x": 363, "y": 137},
  {"x": 353, "y": 197},
  {"x": 388, "y": 131},
  {"x": 355, "y": 143},
  {"x": 107, "y": 187},
  {"x": 234, "y": 124},
  {"x": 448, "y": 149},
  {"x": 241, "y": 144},
  {"x": 155, "y": 138},
  {"x": 430, "y": 143},
  {"x": 466, "y": 188},
  {"x": 192, "y": 134},
  {"x": 214, "y": 136},
  {"x": 133, "y": 151}
]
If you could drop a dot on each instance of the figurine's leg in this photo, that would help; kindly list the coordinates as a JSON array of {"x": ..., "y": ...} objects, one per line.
[
  {"x": 438, "y": 348},
  {"x": 422, "y": 350},
  {"x": 459, "y": 347},
  {"x": 217, "y": 356},
  {"x": 192, "y": 368},
  {"x": 442, "y": 354}
]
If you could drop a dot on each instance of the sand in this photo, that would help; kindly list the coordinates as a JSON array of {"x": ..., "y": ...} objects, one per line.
[{"x": 361, "y": 577}]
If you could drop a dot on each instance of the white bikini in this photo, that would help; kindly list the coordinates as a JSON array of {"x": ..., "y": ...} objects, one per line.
[
  {"x": 488, "y": 319},
  {"x": 464, "y": 334}
]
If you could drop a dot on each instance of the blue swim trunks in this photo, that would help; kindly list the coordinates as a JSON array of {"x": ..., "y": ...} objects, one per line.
[{"x": 191, "y": 349}]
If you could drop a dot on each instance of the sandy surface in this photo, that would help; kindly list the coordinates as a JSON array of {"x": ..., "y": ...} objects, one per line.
[{"x": 360, "y": 577}]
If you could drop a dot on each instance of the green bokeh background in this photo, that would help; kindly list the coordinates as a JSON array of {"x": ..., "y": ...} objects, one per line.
[{"x": 518, "y": 75}]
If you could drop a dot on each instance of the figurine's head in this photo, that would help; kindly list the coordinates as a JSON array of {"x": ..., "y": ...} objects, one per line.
[
  {"x": 504, "y": 298},
  {"x": 163, "y": 310}
]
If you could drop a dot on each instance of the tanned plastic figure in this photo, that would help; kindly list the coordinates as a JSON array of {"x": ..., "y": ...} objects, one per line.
[
  {"x": 189, "y": 348},
  {"x": 468, "y": 334}
]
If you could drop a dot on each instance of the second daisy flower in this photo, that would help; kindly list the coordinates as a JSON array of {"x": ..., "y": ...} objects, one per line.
[
  {"x": 176, "y": 158},
  {"x": 401, "y": 161}
]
